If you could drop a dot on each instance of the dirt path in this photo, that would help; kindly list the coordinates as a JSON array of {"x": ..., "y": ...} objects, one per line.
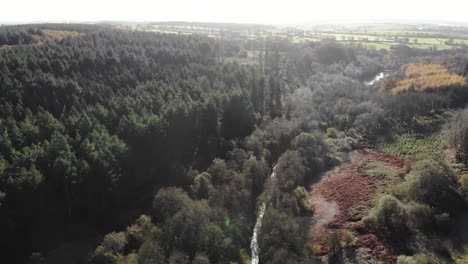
[{"x": 343, "y": 197}]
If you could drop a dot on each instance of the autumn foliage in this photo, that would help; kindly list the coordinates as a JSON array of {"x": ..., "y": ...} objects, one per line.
[{"x": 422, "y": 77}]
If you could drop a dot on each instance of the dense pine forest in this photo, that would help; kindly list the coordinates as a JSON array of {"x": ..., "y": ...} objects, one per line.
[{"x": 124, "y": 146}]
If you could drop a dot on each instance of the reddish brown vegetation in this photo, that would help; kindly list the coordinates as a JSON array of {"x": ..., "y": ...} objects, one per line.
[
  {"x": 348, "y": 193},
  {"x": 54, "y": 35}
]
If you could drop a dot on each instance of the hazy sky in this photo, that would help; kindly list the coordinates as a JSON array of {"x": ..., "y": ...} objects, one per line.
[{"x": 241, "y": 11}]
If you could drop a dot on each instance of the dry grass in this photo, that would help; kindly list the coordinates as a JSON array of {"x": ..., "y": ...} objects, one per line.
[{"x": 421, "y": 77}]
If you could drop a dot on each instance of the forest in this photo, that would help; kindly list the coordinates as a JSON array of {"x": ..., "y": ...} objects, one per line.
[{"x": 127, "y": 146}]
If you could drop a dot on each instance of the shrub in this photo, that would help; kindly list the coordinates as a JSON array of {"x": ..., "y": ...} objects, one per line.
[
  {"x": 202, "y": 186},
  {"x": 420, "y": 216},
  {"x": 114, "y": 242},
  {"x": 464, "y": 182},
  {"x": 416, "y": 259},
  {"x": 459, "y": 135},
  {"x": 301, "y": 196},
  {"x": 433, "y": 183},
  {"x": 389, "y": 217},
  {"x": 110, "y": 249}
]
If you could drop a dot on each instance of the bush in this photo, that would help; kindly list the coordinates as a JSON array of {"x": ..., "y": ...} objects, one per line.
[
  {"x": 389, "y": 217},
  {"x": 302, "y": 200},
  {"x": 433, "y": 183},
  {"x": 464, "y": 182},
  {"x": 420, "y": 216},
  {"x": 202, "y": 186},
  {"x": 416, "y": 259},
  {"x": 110, "y": 249},
  {"x": 459, "y": 135},
  {"x": 114, "y": 242}
]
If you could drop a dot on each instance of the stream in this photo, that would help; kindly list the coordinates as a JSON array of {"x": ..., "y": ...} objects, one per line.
[
  {"x": 258, "y": 224},
  {"x": 254, "y": 247},
  {"x": 377, "y": 78}
]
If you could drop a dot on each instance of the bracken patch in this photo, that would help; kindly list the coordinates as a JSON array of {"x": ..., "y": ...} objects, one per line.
[{"x": 344, "y": 197}]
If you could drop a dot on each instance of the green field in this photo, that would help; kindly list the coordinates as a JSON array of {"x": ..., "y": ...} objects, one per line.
[{"x": 384, "y": 38}]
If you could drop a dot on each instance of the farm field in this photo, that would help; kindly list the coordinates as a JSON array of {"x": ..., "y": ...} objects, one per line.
[{"x": 381, "y": 37}]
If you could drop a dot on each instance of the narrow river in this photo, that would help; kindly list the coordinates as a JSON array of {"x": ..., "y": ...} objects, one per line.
[
  {"x": 254, "y": 247},
  {"x": 377, "y": 78},
  {"x": 258, "y": 225}
]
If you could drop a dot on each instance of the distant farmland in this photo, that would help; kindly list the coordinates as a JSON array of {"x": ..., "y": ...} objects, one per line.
[{"x": 383, "y": 38}]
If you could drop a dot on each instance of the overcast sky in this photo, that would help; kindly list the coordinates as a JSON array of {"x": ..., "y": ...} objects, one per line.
[{"x": 240, "y": 11}]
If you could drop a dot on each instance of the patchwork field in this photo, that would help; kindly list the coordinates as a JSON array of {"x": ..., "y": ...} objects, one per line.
[{"x": 384, "y": 38}]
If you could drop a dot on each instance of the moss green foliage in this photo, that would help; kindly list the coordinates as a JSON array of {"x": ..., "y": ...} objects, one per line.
[
  {"x": 432, "y": 182},
  {"x": 389, "y": 217},
  {"x": 416, "y": 259},
  {"x": 111, "y": 249},
  {"x": 413, "y": 147},
  {"x": 464, "y": 182},
  {"x": 458, "y": 135},
  {"x": 381, "y": 170},
  {"x": 303, "y": 201},
  {"x": 202, "y": 185}
]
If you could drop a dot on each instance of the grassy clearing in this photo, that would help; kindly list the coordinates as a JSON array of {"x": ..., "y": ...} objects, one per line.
[
  {"x": 382, "y": 170},
  {"x": 411, "y": 147},
  {"x": 392, "y": 175}
]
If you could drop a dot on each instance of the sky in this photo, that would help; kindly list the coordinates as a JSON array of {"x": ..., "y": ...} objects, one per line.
[{"x": 237, "y": 11}]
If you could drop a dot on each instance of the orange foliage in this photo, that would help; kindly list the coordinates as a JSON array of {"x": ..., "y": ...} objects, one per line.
[
  {"x": 420, "y": 77},
  {"x": 54, "y": 35}
]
